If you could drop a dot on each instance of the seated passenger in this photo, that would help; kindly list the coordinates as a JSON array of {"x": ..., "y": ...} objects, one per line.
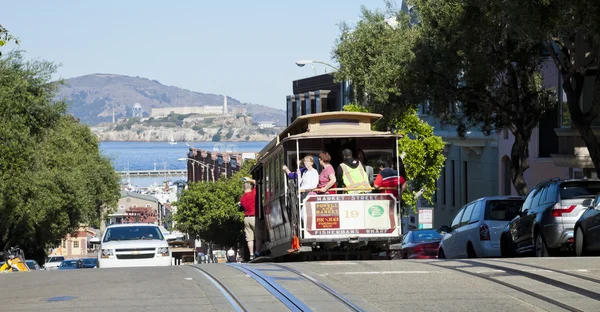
[
  {"x": 388, "y": 178},
  {"x": 351, "y": 174},
  {"x": 360, "y": 156},
  {"x": 327, "y": 177}
]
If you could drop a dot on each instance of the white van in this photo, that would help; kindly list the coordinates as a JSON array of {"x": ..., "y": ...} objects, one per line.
[
  {"x": 477, "y": 227},
  {"x": 133, "y": 245}
]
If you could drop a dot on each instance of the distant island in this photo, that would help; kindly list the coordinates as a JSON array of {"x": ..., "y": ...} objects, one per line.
[
  {"x": 234, "y": 126},
  {"x": 100, "y": 99}
]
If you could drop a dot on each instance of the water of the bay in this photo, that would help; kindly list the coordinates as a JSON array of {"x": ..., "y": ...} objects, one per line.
[{"x": 162, "y": 155}]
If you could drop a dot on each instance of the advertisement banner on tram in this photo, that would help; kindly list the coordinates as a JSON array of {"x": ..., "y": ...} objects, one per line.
[{"x": 350, "y": 215}]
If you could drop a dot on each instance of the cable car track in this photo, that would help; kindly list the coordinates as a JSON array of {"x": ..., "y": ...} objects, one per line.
[
  {"x": 233, "y": 300},
  {"x": 532, "y": 276},
  {"x": 283, "y": 295}
]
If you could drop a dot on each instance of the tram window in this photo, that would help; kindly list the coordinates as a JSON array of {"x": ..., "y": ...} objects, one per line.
[
  {"x": 269, "y": 181},
  {"x": 281, "y": 173}
]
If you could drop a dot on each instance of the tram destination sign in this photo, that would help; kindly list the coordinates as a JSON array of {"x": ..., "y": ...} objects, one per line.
[{"x": 350, "y": 214}]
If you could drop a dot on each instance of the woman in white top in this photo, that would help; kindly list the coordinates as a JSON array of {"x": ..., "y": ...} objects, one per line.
[{"x": 310, "y": 179}]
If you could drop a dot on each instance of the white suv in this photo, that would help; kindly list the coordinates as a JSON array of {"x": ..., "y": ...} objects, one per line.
[
  {"x": 478, "y": 226},
  {"x": 133, "y": 245}
]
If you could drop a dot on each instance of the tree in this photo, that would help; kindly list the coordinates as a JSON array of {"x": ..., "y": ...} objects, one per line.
[
  {"x": 52, "y": 176},
  {"x": 573, "y": 41},
  {"x": 422, "y": 154},
  {"x": 6, "y": 37},
  {"x": 209, "y": 210},
  {"x": 469, "y": 59}
]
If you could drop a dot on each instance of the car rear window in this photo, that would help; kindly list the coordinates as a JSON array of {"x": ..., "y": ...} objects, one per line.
[
  {"x": 425, "y": 236},
  {"x": 502, "y": 210},
  {"x": 579, "y": 189}
]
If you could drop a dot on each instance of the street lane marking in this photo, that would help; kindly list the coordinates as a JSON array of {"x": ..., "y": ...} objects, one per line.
[
  {"x": 382, "y": 272},
  {"x": 338, "y": 263},
  {"x": 188, "y": 278}
]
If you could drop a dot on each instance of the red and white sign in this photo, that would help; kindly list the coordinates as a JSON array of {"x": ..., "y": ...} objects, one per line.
[{"x": 350, "y": 214}]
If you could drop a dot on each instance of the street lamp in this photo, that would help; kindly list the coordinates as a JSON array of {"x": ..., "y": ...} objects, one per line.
[
  {"x": 301, "y": 63},
  {"x": 193, "y": 166}
]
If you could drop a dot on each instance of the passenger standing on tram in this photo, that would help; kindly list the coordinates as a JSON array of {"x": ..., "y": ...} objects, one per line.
[
  {"x": 247, "y": 201},
  {"x": 360, "y": 156},
  {"x": 327, "y": 177},
  {"x": 351, "y": 174},
  {"x": 310, "y": 178}
]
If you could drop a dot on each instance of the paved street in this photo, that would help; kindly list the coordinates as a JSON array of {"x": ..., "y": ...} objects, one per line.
[{"x": 551, "y": 284}]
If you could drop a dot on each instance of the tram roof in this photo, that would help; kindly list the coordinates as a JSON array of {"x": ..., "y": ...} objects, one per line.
[{"x": 330, "y": 125}]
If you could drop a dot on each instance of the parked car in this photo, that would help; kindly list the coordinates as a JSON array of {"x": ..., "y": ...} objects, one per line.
[
  {"x": 546, "y": 222},
  {"x": 71, "y": 264},
  {"x": 477, "y": 227},
  {"x": 587, "y": 229},
  {"x": 32, "y": 265},
  {"x": 53, "y": 262},
  {"x": 90, "y": 263},
  {"x": 420, "y": 244},
  {"x": 133, "y": 245}
]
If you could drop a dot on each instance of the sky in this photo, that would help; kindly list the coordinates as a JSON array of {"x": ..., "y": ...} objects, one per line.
[{"x": 243, "y": 49}]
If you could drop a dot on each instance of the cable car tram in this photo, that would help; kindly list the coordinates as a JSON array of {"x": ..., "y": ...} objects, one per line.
[{"x": 347, "y": 224}]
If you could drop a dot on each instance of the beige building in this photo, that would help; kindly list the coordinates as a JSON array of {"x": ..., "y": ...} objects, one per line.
[
  {"x": 135, "y": 207},
  {"x": 75, "y": 245},
  {"x": 200, "y": 110}
]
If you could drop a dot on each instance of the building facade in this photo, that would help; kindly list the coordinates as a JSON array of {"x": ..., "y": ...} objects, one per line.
[
  {"x": 317, "y": 94},
  {"x": 211, "y": 166},
  {"x": 76, "y": 245},
  {"x": 134, "y": 207}
]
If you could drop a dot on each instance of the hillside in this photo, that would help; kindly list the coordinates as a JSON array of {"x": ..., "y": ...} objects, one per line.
[{"x": 92, "y": 98}]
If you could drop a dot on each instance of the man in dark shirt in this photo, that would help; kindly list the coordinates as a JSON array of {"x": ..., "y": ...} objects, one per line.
[{"x": 248, "y": 203}]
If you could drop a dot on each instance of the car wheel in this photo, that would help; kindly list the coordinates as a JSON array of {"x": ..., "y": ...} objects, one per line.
[
  {"x": 441, "y": 254},
  {"x": 580, "y": 249},
  {"x": 471, "y": 251},
  {"x": 540, "y": 246}
]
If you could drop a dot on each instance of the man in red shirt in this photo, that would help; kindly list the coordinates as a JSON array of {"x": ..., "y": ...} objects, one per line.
[
  {"x": 248, "y": 202},
  {"x": 388, "y": 177}
]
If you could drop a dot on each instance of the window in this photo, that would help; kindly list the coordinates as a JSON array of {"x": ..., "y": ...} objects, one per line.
[
  {"x": 502, "y": 210},
  {"x": 406, "y": 238},
  {"x": 505, "y": 132},
  {"x": 551, "y": 194},
  {"x": 466, "y": 180},
  {"x": 476, "y": 215},
  {"x": 75, "y": 244},
  {"x": 132, "y": 233},
  {"x": 64, "y": 243},
  {"x": 579, "y": 189},
  {"x": 453, "y": 184},
  {"x": 507, "y": 175},
  {"x": 467, "y": 215},
  {"x": 426, "y": 236},
  {"x": 456, "y": 221},
  {"x": 542, "y": 196},
  {"x": 536, "y": 198},
  {"x": 565, "y": 116},
  {"x": 527, "y": 204},
  {"x": 444, "y": 185}
]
